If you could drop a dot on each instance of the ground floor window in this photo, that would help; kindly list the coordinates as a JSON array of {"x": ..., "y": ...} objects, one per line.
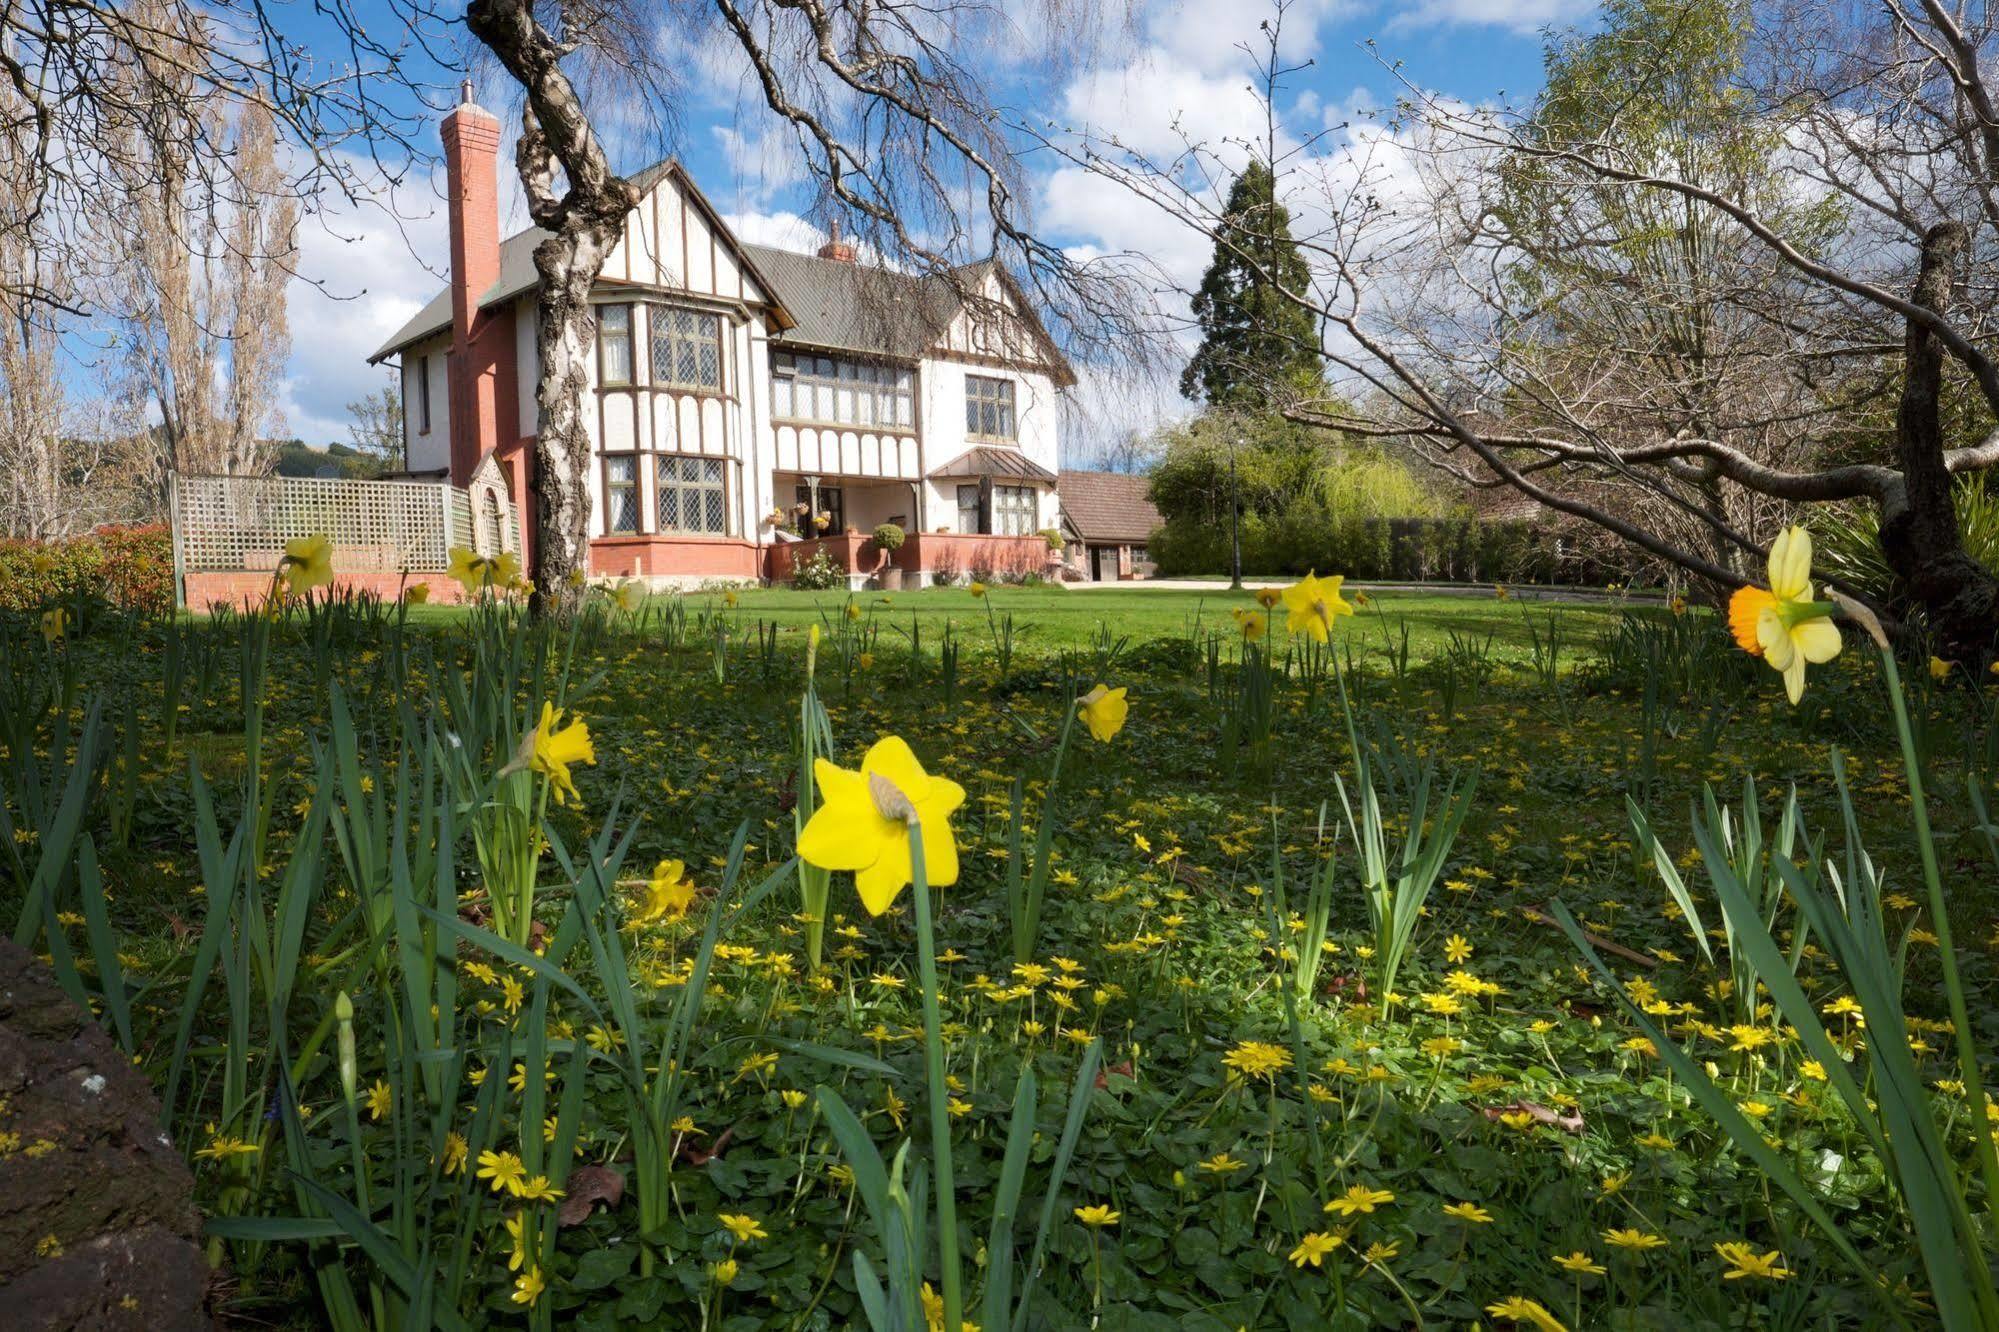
[
  {"x": 621, "y": 494},
  {"x": 1014, "y": 511},
  {"x": 831, "y": 503},
  {"x": 692, "y": 497}
]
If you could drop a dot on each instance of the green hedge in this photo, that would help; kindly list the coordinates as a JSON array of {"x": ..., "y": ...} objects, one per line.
[
  {"x": 130, "y": 567},
  {"x": 1398, "y": 549}
]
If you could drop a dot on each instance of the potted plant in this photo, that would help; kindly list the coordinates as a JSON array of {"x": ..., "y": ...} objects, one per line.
[{"x": 888, "y": 538}]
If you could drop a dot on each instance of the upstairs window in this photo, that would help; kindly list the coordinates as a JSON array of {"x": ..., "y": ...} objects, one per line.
[
  {"x": 989, "y": 408},
  {"x": 422, "y": 395},
  {"x": 686, "y": 348},
  {"x": 614, "y": 344},
  {"x": 839, "y": 392}
]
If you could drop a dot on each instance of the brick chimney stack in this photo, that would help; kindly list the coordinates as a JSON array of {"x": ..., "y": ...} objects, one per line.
[
  {"x": 471, "y": 147},
  {"x": 835, "y": 248}
]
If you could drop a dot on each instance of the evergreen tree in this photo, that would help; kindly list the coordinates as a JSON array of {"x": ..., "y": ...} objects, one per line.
[{"x": 1258, "y": 348}]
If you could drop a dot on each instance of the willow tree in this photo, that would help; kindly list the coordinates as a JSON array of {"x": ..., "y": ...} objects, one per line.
[{"x": 1886, "y": 116}]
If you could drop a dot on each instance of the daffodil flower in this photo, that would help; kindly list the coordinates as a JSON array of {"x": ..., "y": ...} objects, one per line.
[
  {"x": 550, "y": 748},
  {"x": 1103, "y": 711},
  {"x": 475, "y": 572},
  {"x": 308, "y": 563},
  {"x": 1314, "y": 603},
  {"x": 1784, "y": 626},
  {"x": 863, "y": 821}
]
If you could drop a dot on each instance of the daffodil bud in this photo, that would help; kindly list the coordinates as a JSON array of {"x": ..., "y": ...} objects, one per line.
[
  {"x": 350, "y": 1072},
  {"x": 811, "y": 651}
]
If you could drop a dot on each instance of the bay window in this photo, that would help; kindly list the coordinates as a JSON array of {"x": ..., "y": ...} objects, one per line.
[
  {"x": 692, "y": 498},
  {"x": 686, "y": 347}
]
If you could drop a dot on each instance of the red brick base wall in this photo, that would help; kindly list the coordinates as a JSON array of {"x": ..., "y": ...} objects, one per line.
[
  {"x": 243, "y": 588},
  {"x": 683, "y": 558}
]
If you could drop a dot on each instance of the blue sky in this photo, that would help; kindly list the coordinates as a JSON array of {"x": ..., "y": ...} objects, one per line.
[{"x": 362, "y": 271}]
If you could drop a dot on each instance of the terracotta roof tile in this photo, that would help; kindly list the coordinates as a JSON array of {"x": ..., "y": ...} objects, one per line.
[{"x": 1107, "y": 506}]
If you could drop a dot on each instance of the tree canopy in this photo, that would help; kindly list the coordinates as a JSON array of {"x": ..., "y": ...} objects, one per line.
[{"x": 1259, "y": 348}]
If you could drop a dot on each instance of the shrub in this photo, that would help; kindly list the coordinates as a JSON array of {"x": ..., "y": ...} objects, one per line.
[
  {"x": 890, "y": 537},
  {"x": 1053, "y": 537},
  {"x": 1848, "y": 538},
  {"x": 128, "y": 567},
  {"x": 818, "y": 574}
]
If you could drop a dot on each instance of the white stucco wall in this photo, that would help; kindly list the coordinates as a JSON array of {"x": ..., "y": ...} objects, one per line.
[{"x": 427, "y": 450}]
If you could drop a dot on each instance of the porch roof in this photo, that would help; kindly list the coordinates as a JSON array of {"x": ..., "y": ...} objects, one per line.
[{"x": 984, "y": 460}]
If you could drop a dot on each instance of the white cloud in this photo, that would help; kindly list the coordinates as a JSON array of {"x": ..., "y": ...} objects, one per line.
[
  {"x": 764, "y": 161},
  {"x": 784, "y": 231},
  {"x": 361, "y": 273},
  {"x": 1519, "y": 15}
]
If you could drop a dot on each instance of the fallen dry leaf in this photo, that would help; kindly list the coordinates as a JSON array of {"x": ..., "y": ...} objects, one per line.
[
  {"x": 1569, "y": 1123},
  {"x": 588, "y": 1186}
]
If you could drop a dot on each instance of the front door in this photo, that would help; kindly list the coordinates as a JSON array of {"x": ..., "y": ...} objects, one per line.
[{"x": 1096, "y": 564}]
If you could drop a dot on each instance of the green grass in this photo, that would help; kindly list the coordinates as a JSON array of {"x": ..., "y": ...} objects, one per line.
[{"x": 1164, "y": 871}]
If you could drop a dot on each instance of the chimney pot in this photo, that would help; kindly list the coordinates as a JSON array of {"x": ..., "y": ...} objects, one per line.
[{"x": 835, "y": 248}]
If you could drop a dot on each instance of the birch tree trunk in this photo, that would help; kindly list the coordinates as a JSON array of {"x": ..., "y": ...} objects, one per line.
[{"x": 586, "y": 218}]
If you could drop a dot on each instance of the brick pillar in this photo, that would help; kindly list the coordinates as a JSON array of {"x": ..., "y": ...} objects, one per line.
[{"x": 471, "y": 147}]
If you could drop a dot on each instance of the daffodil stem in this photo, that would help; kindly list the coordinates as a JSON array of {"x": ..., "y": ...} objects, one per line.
[
  {"x": 1967, "y": 1049},
  {"x": 940, "y": 1110}
]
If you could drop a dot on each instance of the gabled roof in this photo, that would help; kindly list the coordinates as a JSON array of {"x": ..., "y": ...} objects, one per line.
[
  {"x": 843, "y": 306},
  {"x": 1107, "y": 506},
  {"x": 518, "y": 275},
  {"x": 987, "y": 460},
  {"x": 822, "y": 303}
]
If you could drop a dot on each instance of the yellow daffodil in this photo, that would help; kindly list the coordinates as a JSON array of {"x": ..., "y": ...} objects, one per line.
[
  {"x": 55, "y": 624},
  {"x": 629, "y": 594},
  {"x": 1314, "y": 603},
  {"x": 669, "y": 893},
  {"x": 862, "y": 823},
  {"x": 1941, "y": 669},
  {"x": 416, "y": 594},
  {"x": 1784, "y": 626},
  {"x": 1103, "y": 712},
  {"x": 976, "y": 589},
  {"x": 308, "y": 563},
  {"x": 1252, "y": 624},
  {"x": 476, "y": 573},
  {"x": 1268, "y": 597},
  {"x": 551, "y": 747}
]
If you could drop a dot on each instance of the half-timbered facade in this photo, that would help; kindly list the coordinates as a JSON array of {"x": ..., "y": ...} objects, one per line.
[{"x": 747, "y": 403}]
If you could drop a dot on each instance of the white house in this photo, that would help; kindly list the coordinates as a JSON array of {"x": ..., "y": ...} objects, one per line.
[{"x": 737, "y": 382}]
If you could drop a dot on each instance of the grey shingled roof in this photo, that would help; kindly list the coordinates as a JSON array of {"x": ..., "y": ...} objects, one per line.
[
  {"x": 854, "y": 307},
  {"x": 834, "y": 305}
]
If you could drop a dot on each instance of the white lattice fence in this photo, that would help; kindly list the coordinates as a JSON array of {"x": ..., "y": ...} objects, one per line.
[{"x": 226, "y": 523}]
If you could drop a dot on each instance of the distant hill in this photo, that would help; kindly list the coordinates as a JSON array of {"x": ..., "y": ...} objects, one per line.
[{"x": 335, "y": 461}]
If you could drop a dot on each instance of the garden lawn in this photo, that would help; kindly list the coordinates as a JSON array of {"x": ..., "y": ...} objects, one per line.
[{"x": 1494, "y": 1132}]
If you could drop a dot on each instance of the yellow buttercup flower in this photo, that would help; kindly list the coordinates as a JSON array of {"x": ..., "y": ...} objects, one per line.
[
  {"x": 308, "y": 563},
  {"x": 1097, "y": 1216},
  {"x": 528, "y": 1286},
  {"x": 1744, "y": 1261},
  {"x": 1784, "y": 626},
  {"x": 1468, "y": 1211},
  {"x": 1314, "y": 1247},
  {"x": 742, "y": 1227},
  {"x": 862, "y": 823},
  {"x": 1104, "y": 712},
  {"x": 1314, "y": 603},
  {"x": 1359, "y": 1198},
  {"x": 1527, "y": 1312}
]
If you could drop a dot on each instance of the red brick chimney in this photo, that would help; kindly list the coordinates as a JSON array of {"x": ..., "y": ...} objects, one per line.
[
  {"x": 471, "y": 146},
  {"x": 835, "y": 248}
]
